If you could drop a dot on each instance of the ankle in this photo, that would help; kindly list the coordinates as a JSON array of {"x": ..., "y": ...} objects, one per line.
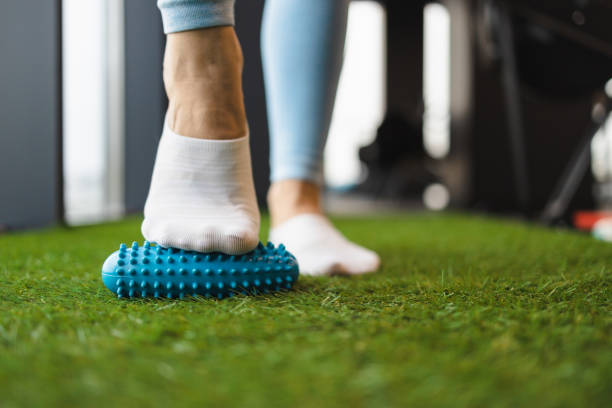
[
  {"x": 202, "y": 77},
  {"x": 288, "y": 198},
  {"x": 191, "y": 115}
]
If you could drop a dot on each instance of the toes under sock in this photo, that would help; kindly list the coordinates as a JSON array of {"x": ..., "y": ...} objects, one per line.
[
  {"x": 202, "y": 196},
  {"x": 321, "y": 249}
]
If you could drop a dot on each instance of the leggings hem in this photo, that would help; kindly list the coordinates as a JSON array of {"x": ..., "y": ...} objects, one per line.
[{"x": 185, "y": 15}]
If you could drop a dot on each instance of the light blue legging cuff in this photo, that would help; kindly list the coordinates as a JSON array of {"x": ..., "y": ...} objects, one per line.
[
  {"x": 183, "y": 15},
  {"x": 302, "y": 46}
]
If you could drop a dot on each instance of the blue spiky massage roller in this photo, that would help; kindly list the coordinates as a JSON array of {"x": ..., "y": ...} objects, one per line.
[{"x": 152, "y": 270}]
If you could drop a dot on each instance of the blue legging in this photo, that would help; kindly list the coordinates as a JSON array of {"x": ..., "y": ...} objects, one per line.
[{"x": 302, "y": 45}]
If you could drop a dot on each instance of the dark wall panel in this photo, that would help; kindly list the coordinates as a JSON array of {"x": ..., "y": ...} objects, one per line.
[
  {"x": 248, "y": 27},
  {"x": 145, "y": 100},
  {"x": 29, "y": 112}
]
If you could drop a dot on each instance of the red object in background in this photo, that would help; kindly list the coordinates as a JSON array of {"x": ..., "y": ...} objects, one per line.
[{"x": 585, "y": 220}]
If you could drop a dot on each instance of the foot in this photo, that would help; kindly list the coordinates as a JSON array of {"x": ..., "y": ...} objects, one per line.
[
  {"x": 202, "y": 195},
  {"x": 299, "y": 223}
]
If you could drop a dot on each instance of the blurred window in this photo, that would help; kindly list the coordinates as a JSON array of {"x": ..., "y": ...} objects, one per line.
[
  {"x": 436, "y": 79},
  {"x": 93, "y": 109},
  {"x": 360, "y": 101}
]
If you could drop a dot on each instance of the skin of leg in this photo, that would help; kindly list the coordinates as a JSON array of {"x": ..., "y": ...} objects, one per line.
[
  {"x": 203, "y": 79},
  {"x": 302, "y": 46},
  {"x": 288, "y": 198}
]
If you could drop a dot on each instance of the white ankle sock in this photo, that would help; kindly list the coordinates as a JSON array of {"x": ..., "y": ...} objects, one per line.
[
  {"x": 321, "y": 249},
  {"x": 202, "y": 196}
]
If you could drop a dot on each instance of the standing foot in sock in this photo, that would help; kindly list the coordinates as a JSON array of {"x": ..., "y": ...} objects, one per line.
[
  {"x": 202, "y": 195},
  {"x": 299, "y": 223}
]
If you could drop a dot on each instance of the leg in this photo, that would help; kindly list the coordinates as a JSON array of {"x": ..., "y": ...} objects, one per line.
[
  {"x": 202, "y": 195},
  {"x": 202, "y": 77},
  {"x": 302, "y": 45}
]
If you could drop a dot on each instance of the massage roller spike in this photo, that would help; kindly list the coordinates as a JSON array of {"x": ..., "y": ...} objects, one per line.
[{"x": 176, "y": 273}]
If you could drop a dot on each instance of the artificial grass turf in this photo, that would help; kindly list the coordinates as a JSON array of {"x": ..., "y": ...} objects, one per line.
[{"x": 466, "y": 311}]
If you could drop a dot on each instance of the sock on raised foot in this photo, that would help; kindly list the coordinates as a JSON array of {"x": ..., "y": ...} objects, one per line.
[
  {"x": 202, "y": 196},
  {"x": 321, "y": 249}
]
